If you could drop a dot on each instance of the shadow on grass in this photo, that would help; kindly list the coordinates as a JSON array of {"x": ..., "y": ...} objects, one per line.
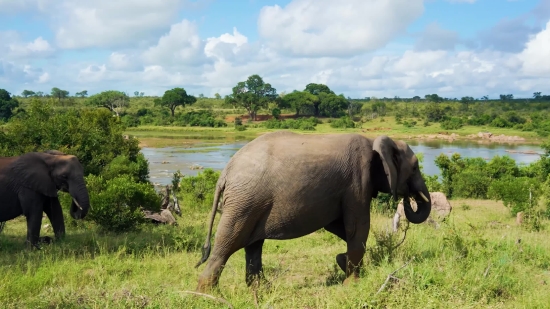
[{"x": 79, "y": 243}]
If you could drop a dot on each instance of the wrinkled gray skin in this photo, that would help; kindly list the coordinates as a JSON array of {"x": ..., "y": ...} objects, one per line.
[
  {"x": 284, "y": 185},
  {"x": 29, "y": 185}
]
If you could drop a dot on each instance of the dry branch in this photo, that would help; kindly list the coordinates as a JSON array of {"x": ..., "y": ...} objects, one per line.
[
  {"x": 219, "y": 299},
  {"x": 391, "y": 276}
]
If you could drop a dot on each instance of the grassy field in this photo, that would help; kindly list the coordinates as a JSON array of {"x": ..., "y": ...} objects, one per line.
[
  {"x": 473, "y": 260},
  {"x": 159, "y": 136}
]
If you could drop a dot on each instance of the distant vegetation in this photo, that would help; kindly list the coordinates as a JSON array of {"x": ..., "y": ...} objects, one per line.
[{"x": 252, "y": 98}]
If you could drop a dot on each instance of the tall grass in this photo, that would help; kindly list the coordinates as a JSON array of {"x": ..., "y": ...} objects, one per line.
[{"x": 474, "y": 260}]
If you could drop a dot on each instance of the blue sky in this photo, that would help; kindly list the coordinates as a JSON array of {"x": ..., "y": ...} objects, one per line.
[{"x": 357, "y": 47}]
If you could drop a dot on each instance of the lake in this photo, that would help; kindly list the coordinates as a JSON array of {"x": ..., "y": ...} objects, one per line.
[{"x": 163, "y": 162}]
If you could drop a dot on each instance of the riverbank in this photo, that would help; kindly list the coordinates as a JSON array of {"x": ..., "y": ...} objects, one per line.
[{"x": 164, "y": 136}]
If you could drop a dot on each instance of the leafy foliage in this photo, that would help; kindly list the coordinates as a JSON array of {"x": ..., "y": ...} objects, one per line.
[
  {"x": 306, "y": 124},
  {"x": 7, "y": 105},
  {"x": 343, "y": 122},
  {"x": 117, "y": 202},
  {"x": 198, "y": 191},
  {"x": 175, "y": 97},
  {"x": 113, "y": 100},
  {"x": 252, "y": 94}
]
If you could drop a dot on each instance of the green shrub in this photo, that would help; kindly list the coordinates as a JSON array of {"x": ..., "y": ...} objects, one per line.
[
  {"x": 409, "y": 124},
  {"x": 514, "y": 192},
  {"x": 344, "y": 122},
  {"x": 201, "y": 118},
  {"x": 276, "y": 113},
  {"x": 117, "y": 202},
  {"x": 471, "y": 183},
  {"x": 198, "y": 191},
  {"x": 454, "y": 123},
  {"x": 305, "y": 124},
  {"x": 121, "y": 165}
]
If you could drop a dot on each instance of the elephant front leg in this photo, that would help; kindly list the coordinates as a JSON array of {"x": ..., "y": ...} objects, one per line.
[
  {"x": 253, "y": 255},
  {"x": 53, "y": 210},
  {"x": 32, "y": 206}
]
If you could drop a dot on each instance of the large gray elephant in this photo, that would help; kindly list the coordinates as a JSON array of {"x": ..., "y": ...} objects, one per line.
[
  {"x": 284, "y": 185},
  {"x": 29, "y": 185}
]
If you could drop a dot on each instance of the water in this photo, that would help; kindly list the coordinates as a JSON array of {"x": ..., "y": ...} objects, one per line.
[{"x": 163, "y": 162}]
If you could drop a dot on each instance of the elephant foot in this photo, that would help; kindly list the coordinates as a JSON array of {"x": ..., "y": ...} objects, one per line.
[
  {"x": 205, "y": 285},
  {"x": 46, "y": 240},
  {"x": 341, "y": 260},
  {"x": 350, "y": 280}
]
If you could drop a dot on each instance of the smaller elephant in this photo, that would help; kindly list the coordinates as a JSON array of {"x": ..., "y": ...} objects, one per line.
[
  {"x": 29, "y": 185},
  {"x": 441, "y": 208}
]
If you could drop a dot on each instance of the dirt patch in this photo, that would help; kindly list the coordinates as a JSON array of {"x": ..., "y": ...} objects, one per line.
[{"x": 376, "y": 129}]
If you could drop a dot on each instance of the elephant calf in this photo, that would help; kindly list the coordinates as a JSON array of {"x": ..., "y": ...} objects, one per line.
[
  {"x": 29, "y": 185},
  {"x": 284, "y": 185}
]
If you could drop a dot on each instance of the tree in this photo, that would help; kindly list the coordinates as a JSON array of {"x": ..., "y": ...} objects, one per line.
[
  {"x": 59, "y": 93},
  {"x": 299, "y": 100},
  {"x": 39, "y": 94},
  {"x": 485, "y": 97},
  {"x": 82, "y": 94},
  {"x": 537, "y": 95},
  {"x": 416, "y": 98},
  {"x": 141, "y": 94},
  {"x": 136, "y": 93},
  {"x": 175, "y": 97},
  {"x": 317, "y": 89},
  {"x": 217, "y": 96},
  {"x": 252, "y": 94},
  {"x": 433, "y": 98},
  {"x": 7, "y": 105},
  {"x": 113, "y": 100},
  {"x": 27, "y": 93},
  {"x": 466, "y": 101},
  {"x": 506, "y": 97},
  {"x": 332, "y": 105}
]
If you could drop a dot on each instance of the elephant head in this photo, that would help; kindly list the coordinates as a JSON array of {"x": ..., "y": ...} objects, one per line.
[
  {"x": 48, "y": 172},
  {"x": 400, "y": 166}
]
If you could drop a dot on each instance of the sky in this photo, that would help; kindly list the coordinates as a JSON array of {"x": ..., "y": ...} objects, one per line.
[{"x": 360, "y": 48}]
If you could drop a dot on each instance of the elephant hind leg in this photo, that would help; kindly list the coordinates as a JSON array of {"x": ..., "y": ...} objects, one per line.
[
  {"x": 253, "y": 255},
  {"x": 231, "y": 235},
  {"x": 337, "y": 228}
]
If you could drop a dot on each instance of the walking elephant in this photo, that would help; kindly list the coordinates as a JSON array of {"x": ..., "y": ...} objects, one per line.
[
  {"x": 29, "y": 185},
  {"x": 284, "y": 185}
]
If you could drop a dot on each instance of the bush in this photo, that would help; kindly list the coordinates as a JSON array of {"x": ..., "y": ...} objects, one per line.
[
  {"x": 305, "y": 124},
  {"x": 121, "y": 165},
  {"x": 203, "y": 118},
  {"x": 471, "y": 183},
  {"x": 514, "y": 192},
  {"x": 117, "y": 202},
  {"x": 343, "y": 122},
  {"x": 454, "y": 123},
  {"x": 198, "y": 191},
  {"x": 409, "y": 124}
]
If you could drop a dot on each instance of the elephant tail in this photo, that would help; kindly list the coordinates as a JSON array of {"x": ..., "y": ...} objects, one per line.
[{"x": 220, "y": 186}]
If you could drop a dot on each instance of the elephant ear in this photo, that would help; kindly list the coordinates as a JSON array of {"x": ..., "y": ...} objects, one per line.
[
  {"x": 32, "y": 170},
  {"x": 388, "y": 152}
]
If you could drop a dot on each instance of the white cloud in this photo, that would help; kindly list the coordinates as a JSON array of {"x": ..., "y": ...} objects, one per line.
[
  {"x": 536, "y": 53},
  {"x": 336, "y": 28},
  {"x": 13, "y": 47},
  {"x": 15, "y": 6},
  {"x": 181, "y": 46},
  {"x": 106, "y": 23},
  {"x": 226, "y": 45},
  {"x": 44, "y": 78}
]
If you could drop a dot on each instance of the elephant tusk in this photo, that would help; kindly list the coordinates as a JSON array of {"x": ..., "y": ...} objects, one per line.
[
  {"x": 423, "y": 196},
  {"x": 78, "y": 205}
]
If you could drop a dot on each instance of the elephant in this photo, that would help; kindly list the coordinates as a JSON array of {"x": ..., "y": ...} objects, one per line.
[
  {"x": 29, "y": 185},
  {"x": 285, "y": 185}
]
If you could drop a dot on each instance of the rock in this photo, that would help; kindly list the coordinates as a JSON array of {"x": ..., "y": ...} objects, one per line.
[
  {"x": 441, "y": 208},
  {"x": 519, "y": 218},
  {"x": 164, "y": 217}
]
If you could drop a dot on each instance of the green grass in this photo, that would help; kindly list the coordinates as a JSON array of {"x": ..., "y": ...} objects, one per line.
[
  {"x": 471, "y": 261},
  {"x": 159, "y": 136}
]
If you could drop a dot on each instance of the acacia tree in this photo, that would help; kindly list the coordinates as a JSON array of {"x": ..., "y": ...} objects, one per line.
[
  {"x": 82, "y": 93},
  {"x": 252, "y": 94},
  {"x": 59, "y": 93},
  {"x": 175, "y": 97},
  {"x": 27, "y": 93},
  {"x": 113, "y": 100}
]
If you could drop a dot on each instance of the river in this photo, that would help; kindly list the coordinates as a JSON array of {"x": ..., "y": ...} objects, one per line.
[{"x": 163, "y": 162}]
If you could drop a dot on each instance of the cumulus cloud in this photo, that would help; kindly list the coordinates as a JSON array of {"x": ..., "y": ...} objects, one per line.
[
  {"x": 536, "y": 53},
  {"x": 336, "y": 28},
  {"x": 180, "y": 46},
  {"x": 106, "y": 23},
  {"x": 15, "y": 6},
  {"x": 13, "y": 47}
]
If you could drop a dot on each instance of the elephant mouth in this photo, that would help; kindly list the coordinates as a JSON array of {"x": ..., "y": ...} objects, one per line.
[{"x": 423, "y": 204}]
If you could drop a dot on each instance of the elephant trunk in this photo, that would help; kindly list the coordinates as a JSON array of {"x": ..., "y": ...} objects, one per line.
[
  {"x": 423, "y": 202},
  {"x": 81, "y": 200}
]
